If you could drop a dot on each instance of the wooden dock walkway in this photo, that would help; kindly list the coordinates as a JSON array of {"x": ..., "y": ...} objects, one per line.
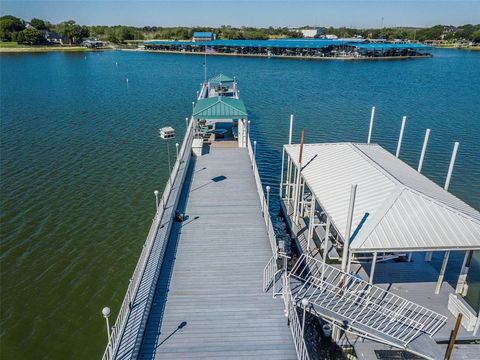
[{"x": 209, "y": 301}]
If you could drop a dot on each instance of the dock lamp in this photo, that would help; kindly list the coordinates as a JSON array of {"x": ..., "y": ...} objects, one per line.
[
  {"x": 176, "y": 146},
  {"x": 106, "y": 314},
  {"x": 167, "y": 133},
  {"x": 304, "y": 304},
  {"x": 156, "y": 198},
  {"x": 268, "y": 197}
]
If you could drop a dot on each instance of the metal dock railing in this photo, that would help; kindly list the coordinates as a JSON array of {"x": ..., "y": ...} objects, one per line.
[{"x": 134, "y": 283}]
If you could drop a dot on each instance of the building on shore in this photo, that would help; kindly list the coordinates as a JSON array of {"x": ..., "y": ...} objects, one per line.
[
  {"x": 202, "y": 36},
  {"x": 312, "y": 33}
]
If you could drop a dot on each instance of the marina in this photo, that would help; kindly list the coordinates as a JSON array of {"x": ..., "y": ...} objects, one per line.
[
  {"x": 348, "y": 49},
  {"x": 196, "y": 289},
  {"x": 79, "y": 180}
]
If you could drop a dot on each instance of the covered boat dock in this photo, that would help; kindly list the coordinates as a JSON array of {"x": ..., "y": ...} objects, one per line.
[
  {"x": 393, "y": 218},
  {"x": 298, "y": 48}
]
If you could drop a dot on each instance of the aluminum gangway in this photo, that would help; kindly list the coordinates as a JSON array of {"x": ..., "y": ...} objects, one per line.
[{"x": 361, "y": 308}]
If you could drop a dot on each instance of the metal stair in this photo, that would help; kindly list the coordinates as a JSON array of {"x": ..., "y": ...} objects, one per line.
[{"x": 357, "y": 306}]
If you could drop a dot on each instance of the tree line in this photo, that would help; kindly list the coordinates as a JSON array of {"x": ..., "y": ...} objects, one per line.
[{"x": 15, "y": 29}]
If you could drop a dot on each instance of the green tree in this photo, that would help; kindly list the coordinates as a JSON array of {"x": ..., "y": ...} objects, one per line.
[
  {"x": 9, "y": 25},
  {"x": 475, "y": 37},
  {"x": 72, "y": 31},
  {"x": 29, "y": 36},
  {"x": 39, "y": 24}
]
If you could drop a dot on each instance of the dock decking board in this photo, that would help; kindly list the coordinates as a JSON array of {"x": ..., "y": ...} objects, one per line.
[{"x": 216, "y": 282}]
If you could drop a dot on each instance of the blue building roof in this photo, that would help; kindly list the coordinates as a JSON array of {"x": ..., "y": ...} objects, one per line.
[
  {"x": 295, "y": 43},
  {"x": 204, "y": 34}
]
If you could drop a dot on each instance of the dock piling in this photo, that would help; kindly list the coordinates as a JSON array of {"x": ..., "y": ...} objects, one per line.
[
  {"x": 452, "y": 163},
  {"x": 348, "y": 229},
  {"x": 424, "y": 149},
  {"x": 400, "y": 137},
  {"x": 371, "y": 125}
]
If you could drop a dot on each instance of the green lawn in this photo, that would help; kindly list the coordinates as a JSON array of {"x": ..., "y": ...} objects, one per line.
[{"x": 11, "y": 44}]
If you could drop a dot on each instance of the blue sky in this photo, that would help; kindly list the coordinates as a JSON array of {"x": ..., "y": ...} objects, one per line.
[{"x": 351, "y": 13}]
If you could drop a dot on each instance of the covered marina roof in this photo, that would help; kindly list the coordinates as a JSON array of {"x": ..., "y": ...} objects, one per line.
[
  {"x": 407, "y": 211},
  {"x": 294, "y": 43},
  {"x": 219, "y": 107},
  {"x": 220, "y": 79}
]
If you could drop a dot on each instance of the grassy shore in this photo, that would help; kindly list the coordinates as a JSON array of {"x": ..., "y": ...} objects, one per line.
[
  {"x": 13, "y": 47},
  {"x": 452, "y": 46}
]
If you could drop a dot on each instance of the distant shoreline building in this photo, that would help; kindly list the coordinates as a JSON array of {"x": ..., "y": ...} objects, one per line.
[{"x": 199, "y": 36}]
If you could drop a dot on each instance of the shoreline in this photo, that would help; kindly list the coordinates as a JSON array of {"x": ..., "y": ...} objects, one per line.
[
  {"x": 349, "y": 58},
  {"x": 44, "y": 49}
]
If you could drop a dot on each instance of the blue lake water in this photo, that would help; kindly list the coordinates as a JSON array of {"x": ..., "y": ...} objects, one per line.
[{"x": 80, "y": 158}]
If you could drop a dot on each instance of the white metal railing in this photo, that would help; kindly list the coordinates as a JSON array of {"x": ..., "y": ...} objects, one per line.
[
  {"x": 134, "y": 282},
  {"x": 295, "y": 327},
  {"x": 362, "y": 304},
  {"x": 270, "y": 272},
  {"x": 261, "y": 194}
]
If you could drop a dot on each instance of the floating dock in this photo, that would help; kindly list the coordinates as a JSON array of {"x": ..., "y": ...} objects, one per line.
[
  {"x": 197, "y": 290},
  {"x": 212, "y": 280}
]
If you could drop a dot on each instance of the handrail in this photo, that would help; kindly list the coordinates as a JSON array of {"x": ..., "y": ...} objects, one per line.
[
  {"x": 261, "y": 194},
  {"x": 295, "y": 327},
  {"x": 134, "y": 282},
  {"x": 320, "y": 278}
]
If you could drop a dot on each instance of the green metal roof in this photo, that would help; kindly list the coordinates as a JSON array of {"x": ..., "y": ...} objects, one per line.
[
  {"x": 219, "y": 108},
  {"x": 219, "y": 79}
]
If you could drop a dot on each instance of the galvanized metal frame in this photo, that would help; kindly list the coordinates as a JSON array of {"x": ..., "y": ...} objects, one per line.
[{"x": 363, "y": 304}]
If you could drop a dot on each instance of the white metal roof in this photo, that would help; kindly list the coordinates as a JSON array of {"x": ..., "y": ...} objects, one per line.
[{"x": 407, "y": 211}]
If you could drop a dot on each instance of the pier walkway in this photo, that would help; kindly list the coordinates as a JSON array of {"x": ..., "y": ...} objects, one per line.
[{"x": 209, "y": 301}]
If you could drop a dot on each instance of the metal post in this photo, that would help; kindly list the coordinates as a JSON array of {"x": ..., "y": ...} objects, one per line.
[
  {"x": 248, "y": 133},
  {"x": 281, "y": 174},
  {"x": 291, "y": 130},
  {"x": 296, "y": 194},
  {"x": 302, "y": 199},
  {"x": 453, "y": 336},
  {"x": 311, "y": 223},
  {"x": 442, "y": 272},
  {"x": 193, "y": 105},
  {"x": 299, "y": 177},
  {"x": 372, "y": 269},
  {"x": 186, "y": 123},
  {"x": 304, "y": 304},
  {"x": 371, "y": 125},
  {"x": 176, "y": 146},
  {"x": 254, "y": 153},
  {"x": 400, "y": 138},
  {"x": 424, "y": 149},
  {"x": 268, "y": 197},
  {"x": 450, "y": 168},
  {"x": 289, "y": 175},
  {"x": 349, "y": 263},
  {"x": 106, "y": 314},
  {"x": 348, "y": 229},
  {"x": 477, "y": 324},
  {"x": 156, "y": 198},
  {"x": 462, "y": 278},
  {"x": 169, "y": 164}
]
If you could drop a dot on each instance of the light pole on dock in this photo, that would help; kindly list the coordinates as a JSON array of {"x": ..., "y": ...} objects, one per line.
[
  {"x": 186, "y": 123},
  {"x": 167, "y": 133},
  {"x": 176, "y": 147},
  {"x": 304, "y": 304},
  {"x": 156, "y": 198},
  {"x": 106, "y": 314},
  {"x": 268, "y": 197},
  {"x": 255, "y": 153}
]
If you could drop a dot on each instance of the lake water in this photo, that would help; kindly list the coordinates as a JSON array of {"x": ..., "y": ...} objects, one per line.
[{"x": 81, "y": 157}]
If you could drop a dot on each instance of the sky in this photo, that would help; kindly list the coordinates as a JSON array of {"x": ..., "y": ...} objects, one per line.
[{"x": 260, "y": 13}]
